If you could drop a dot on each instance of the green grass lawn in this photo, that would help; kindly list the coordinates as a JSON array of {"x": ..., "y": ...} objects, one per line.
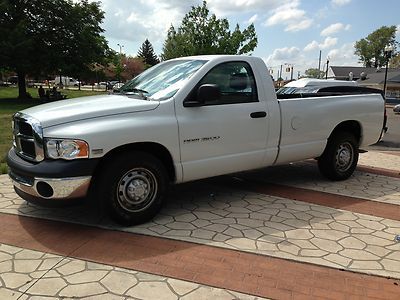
[{"x": 10, "y": 105}]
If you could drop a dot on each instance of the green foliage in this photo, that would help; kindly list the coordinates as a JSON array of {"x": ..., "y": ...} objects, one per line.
[
  {"x": 146, "y": 52},
  {"x": 370, "y": 50},
  {"x": 395, "y": 62},
  {"x": 203, "y": 34},
  {"x": 39, "y": 37},
  {"x": 314, "y": 73}
]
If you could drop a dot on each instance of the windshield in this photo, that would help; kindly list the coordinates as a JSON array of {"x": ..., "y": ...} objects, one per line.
[{"x": 163, "y": 80}]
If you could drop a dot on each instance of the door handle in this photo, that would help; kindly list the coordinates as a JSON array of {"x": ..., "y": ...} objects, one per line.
[{"x": 258, "y": 114}]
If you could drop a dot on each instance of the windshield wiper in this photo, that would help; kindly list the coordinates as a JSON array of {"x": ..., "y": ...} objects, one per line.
[{"x": 140, "y": 92}]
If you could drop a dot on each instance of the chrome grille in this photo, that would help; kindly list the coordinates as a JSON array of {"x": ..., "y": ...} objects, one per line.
[{"x": 28, "y": 137}]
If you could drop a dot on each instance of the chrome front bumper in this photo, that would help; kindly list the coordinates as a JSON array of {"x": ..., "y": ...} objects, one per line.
[{"x": 53, "y": 188}]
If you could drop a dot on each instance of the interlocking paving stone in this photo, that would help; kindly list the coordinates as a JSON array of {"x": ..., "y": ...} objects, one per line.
[
  {"x": 267, "y": 225},
  {"x": 96, "y": 281},
  {"x": 233, "y": 270},
  {"x": 380, "y": 160},
  {"x": 362, "y": 185}
]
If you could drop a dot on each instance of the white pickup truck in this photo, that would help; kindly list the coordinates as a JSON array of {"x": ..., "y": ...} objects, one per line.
[{"x": 182, "y": 120}]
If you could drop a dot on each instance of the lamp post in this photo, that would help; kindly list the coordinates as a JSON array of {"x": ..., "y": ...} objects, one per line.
[
  {"x": 327, "y": 67},
  {"x": 120, "y": 60},
  {"x": 388, "y": 51}
]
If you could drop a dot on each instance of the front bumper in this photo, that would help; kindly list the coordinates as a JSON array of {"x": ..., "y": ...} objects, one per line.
[
  {"x": 52, "y": 188},
  {"x": 50, "y": 179}
]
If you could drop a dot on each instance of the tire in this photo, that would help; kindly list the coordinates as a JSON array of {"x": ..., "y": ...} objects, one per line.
[
  {"x": 340, "y": 157},
  {"x": 132, "y": 186}
]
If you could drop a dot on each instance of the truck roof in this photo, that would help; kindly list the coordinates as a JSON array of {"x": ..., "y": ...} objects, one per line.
[{"x": 305, "y": 82}]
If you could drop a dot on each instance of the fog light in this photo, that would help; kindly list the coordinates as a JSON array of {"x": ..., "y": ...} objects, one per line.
[{"x": 44, "y": 189}]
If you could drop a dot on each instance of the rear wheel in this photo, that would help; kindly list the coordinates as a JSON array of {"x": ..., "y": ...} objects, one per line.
[
  {"x": 133, "y": 186},
  {"x": 340, "y": 157}
]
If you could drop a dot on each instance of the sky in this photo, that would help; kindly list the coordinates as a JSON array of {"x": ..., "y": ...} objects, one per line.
[{"x": 290, "y": 32}]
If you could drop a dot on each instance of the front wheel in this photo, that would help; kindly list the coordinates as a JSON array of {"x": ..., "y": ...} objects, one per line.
[
  {"x": 340, "y": 157},
  {"x": 133, "y": 186}
]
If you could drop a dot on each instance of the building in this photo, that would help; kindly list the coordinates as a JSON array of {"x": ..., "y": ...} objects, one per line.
[{"x": 369, "y": 77}]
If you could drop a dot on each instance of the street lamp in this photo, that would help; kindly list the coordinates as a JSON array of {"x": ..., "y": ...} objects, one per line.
[
  {"x": 327, "y": 67},
  {"x": 120, "y": 60},
  {"x": 388, "y": 51}
]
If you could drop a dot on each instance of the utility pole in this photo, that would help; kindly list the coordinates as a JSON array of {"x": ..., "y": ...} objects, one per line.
[
  {"x": 291, "y": 73},
  {"x": 280, "y": 78},
  {"x": 319, "y": 64}
]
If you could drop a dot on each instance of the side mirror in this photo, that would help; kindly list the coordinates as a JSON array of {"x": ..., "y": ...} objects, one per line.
[{"x": 206, "y": 92}]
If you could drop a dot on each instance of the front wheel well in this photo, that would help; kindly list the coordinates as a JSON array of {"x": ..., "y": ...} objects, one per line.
[{"x": 154, "y": 149}]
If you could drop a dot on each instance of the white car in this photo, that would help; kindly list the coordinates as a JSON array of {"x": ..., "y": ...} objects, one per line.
[{"x": 396, "y": 109}]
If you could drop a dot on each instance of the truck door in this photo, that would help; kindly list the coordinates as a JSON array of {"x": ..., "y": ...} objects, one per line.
[{"x": 228, "y": 134}]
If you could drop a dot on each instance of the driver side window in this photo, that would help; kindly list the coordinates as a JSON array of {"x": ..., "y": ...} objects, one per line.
[{"x": 235, "y": 81}]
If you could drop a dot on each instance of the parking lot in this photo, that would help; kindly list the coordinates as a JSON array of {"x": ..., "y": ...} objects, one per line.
[{"x": 280, "y": 233}]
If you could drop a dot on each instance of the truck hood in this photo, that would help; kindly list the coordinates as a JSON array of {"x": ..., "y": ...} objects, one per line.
[{"x": 71, "y": 110}]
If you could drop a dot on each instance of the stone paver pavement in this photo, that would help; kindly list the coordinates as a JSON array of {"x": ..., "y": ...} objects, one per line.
[
  {"x": 212, "y": 214},
  {"x": 27, "y": 274}
]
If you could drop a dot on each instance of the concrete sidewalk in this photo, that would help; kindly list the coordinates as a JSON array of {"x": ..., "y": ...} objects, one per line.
[{"x": 287, "y": 218}]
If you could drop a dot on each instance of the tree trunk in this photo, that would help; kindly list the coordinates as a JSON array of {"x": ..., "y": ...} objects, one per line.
[{"x": 21, "y": 86}]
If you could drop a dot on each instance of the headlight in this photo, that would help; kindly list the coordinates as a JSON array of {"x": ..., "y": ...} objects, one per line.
[{"x": 66, "y": 149}]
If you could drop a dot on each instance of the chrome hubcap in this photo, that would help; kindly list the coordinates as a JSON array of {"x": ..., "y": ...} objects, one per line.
[
  {"x": 344, "y": 157},
  {"x": 137, "y": 189}
]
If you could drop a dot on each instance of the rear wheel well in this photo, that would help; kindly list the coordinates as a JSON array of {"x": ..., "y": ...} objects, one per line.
[
  {"x": 352, "y": 127},
  {"x": 154, "y": 149}
]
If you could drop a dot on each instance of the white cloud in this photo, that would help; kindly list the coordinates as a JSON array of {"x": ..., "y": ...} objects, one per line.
[
  {"x": 304, "y": 24},
  {"x": 284, "y": 54},
  {"x": 312, "y": 46},
  {"x": 334, "y": 28},
  {"x": 343, "y": 56},
  {"x": 225, "y": 7},
  {"x": 130, "y": 23},
  {"x": 291, "y": 16},
  {"x": 327, "y": 43},
  {"x": 253, "y": 19},
  {"x": 340, "y": 2}
]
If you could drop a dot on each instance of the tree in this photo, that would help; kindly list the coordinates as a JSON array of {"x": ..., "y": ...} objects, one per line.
[
  {"x": 50, "y": 36},
  {"x": 314, "y": 73},
  {"x": 395, "y": 62},
  {"x": 371, "y": 49},
  {"x": 200, "y": 33},
  {"x": 146, "y": 52},
  {"x": 124, "y": 68},
  {"x": 133, "y": 66}
]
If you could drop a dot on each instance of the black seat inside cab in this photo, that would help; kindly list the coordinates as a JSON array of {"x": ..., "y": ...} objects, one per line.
[{"x": 239, "y": 81}]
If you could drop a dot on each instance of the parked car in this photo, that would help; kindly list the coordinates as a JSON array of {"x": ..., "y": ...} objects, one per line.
[
  {"x": 66, "y": 81},
  {"x": 396, "y": 109},
  {"x": 13, "y": 79},
  {"x": 117, "y": 86},
  {"x": 182, "y": 120}
]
